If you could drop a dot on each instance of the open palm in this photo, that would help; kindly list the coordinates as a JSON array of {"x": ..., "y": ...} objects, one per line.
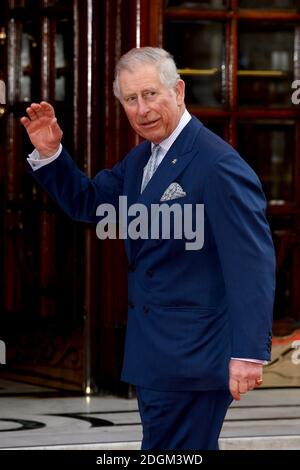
[{"x": 42, "y": 128}]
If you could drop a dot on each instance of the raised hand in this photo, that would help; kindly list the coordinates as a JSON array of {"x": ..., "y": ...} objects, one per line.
[{"x": 42, "y": 128}]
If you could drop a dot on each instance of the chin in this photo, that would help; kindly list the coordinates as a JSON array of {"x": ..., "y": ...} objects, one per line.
[{"x": 153, "y": 136}]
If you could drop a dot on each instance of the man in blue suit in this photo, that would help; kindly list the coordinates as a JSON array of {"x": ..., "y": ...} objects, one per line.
[{"x": 199, "y": 320}]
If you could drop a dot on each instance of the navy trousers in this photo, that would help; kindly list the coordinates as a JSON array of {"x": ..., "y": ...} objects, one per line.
[{"x": 182, "y": 420}]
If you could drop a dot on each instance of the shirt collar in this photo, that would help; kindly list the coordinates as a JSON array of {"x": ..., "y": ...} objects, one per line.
[{"x": 167, "y": 143}]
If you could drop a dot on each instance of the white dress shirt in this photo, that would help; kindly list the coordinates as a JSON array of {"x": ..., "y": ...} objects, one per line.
[{"x": 35, "y": 161}]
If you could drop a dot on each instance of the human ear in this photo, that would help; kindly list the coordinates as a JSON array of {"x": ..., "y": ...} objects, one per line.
[{"x": 180, "y": 91}]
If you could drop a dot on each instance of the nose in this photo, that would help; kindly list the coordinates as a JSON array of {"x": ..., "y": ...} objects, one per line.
[{"x": 143, "y": 108}]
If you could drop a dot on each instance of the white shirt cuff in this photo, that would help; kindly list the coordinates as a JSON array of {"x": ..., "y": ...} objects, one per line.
[
  {"x": 35, "y": 161},
  {"x": 257, "y": 361}
]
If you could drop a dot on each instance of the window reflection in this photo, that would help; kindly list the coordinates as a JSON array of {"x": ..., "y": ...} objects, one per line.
[
  {"x": 63, "y": 53},
  {"x": 25, "y": 66},
  {"x": 28, "y": 79},
  {"x": 63, "y": 59},
  {"x": 60, "y": 63},
  {"x": 28, "y": 4},
  {"x": 63, "y": 3},
  {"x": 198, "y": 49},
  {"x": 3, "y": 80},
  {"x": 28, "y": 88},
  {"x": 269, "y": 149},
  {"x": 266, "y": 72},
  {"x": 270, "y": 4},
  {"x": 35, "y": 4},
  {"x": 198, "y": 4}
]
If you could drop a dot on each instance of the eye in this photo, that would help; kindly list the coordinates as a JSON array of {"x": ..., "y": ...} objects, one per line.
[
  {"x": 151, "y": 93},
  {"x": 130, "y": 99}
]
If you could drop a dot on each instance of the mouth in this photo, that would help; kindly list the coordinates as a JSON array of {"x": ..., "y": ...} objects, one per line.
[{"x": 148, "y": 125}]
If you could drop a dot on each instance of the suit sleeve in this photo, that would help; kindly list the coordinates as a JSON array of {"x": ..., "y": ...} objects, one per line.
[
  {"x": 235, "y": 207},
  {"x": 78, "y": 195}
]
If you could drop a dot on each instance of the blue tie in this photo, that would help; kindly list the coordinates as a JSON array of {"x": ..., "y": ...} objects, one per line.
[{"x": 151, "y": 167}]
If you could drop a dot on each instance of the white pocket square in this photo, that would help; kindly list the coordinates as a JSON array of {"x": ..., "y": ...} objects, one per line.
[{"x": 174, "y": 191}]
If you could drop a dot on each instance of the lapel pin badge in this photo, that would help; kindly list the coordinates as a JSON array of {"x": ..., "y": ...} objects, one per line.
[{"x": 174, "y": 161}]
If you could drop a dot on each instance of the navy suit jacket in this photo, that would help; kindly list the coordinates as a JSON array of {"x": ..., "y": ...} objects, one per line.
[{"x": 189, "y": 311}]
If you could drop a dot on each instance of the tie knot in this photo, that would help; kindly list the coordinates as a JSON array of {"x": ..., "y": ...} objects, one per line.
[{"x": 155, "y": 149}]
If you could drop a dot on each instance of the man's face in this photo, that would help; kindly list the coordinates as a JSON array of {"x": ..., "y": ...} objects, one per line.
[{"x": 152, "y": 109}]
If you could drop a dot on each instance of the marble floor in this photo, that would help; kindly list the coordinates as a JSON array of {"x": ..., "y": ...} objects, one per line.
[{"x": 42, "y": 418}]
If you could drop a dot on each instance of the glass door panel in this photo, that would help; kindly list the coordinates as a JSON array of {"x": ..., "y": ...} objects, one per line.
[
  {"x": 199, "y": 52},
  {"x": 266, "y": 69},
  {"x": 205, "y": 4},
  {"x": 29, "y": 79},
  {"x": 63, "y": 60},
  {"x": 24, "y": 4},
  {"x": 270, "y": 4},
  {"x": 60, "y": 3},
  {"x": 3, "y": 38},
  {"x": 34, "y": 4},
  {"x": 269, "y": 149}
]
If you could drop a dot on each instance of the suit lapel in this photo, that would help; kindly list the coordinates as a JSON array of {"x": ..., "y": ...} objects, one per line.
[
  {"x": 133, "y": 185},
  {"x": 134, "y": 178},
  {"x": 177, "y": 158}
]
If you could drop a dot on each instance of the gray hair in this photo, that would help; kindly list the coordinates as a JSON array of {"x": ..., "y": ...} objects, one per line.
[{"x": 162, "y": 59}]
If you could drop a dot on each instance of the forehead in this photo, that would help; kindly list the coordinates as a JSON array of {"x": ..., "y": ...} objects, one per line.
[{"x": 141, "y": 77}]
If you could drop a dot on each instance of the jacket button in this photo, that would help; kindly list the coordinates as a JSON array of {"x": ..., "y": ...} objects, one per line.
[
  {"x": 131, "y": 267},
  {"x": 149, "y": 273},
  {"x": 146, "y": 309},
  {"x": 130, "y": 305}
]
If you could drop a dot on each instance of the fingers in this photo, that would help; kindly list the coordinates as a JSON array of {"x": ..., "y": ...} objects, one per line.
[
  {"x": 47, "y": 109},
  {"x": 25, "y": 121},
  {"x": 251, "y": 384},
  {"x": 34, "y": 111},
  {"x": 243, "y": 386},
  {"x": 258, "y": 382},
  {"x": 244, "y": 376},
  {"x": 42, "y": 128},
  {"x": 39, "y": 110},
  {"x": 31, "y": 112},
  {"x": 239, "y": 387},
  {"x": 234, "y": 389}
]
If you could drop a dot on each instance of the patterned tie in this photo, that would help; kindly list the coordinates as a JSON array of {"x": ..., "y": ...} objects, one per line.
[{"x": 151, "y": 167}]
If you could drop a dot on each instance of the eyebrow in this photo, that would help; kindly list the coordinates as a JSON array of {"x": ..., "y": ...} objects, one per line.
[{"x": 145, "y": 90}]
